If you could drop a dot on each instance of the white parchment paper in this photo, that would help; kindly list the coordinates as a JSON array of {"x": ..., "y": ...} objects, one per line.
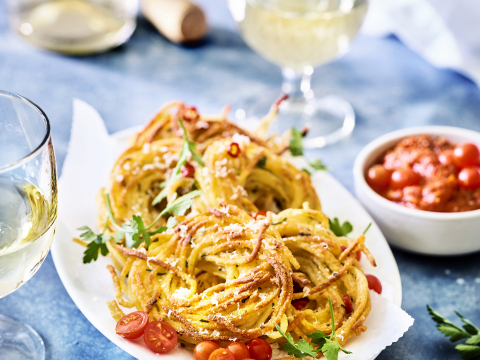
[{"x": 90, "y": 157}]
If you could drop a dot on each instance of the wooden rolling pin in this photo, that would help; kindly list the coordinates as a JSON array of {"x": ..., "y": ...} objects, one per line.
[{"x": 180, "y": 21}]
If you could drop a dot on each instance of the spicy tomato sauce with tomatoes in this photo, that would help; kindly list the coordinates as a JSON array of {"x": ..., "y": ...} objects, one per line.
[{"x": 429, "y": 173}]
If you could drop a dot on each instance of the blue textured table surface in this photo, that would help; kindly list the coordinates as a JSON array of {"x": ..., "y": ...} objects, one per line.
[{"x": 389, "y": 86}]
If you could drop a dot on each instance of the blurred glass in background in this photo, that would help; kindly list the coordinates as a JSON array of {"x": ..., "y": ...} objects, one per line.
[{"x": 75, "y": 27}]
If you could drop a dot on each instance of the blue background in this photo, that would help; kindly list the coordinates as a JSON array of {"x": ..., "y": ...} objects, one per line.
[{"x": 389, "y": 86}]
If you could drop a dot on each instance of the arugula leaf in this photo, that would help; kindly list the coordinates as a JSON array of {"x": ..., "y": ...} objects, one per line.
[
  {"x": 340, "y": 229},
  {"x": 318, "y": 164},
  {"x": 298, "y": 349},
  {"x": 172, "y": 222},
  {"x": 180, "y": 205},
  {"x": 307, "y": 171},
  {"x": 470, "y": 349},
  {"x": 140, "y": 234},
  {"x": 296, "y": 146},
  {"x": 188, "y": 148}
]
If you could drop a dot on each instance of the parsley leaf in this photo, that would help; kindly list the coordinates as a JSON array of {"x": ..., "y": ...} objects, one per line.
[
  {"x": 296, "y": 146},
  {"x": 340, "y": 229},
  {"x": 188, "y": 148},
  {"x": 96, "y": 244},
  {"x": 318, "y": 164},
  {"x": 299, "y": 349},
  {"x": 470, "y": 349},
  {"x": 318, "y": 338}
]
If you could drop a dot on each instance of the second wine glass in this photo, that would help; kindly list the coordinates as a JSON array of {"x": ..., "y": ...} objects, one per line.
[{"x": 298, "y": 35}]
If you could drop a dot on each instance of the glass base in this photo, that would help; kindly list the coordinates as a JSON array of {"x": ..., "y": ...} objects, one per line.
[
  {"x": 19, "y": 341},
  {"x": 328, "y": 119}
]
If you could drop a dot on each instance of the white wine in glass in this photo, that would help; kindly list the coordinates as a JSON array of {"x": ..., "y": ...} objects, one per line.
[
  {"x": 28, "y": 211},
  {"x": 298, "y": 35}
]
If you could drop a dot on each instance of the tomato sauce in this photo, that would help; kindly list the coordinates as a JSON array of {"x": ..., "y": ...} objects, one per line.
[{"x": 437, "y": 188}]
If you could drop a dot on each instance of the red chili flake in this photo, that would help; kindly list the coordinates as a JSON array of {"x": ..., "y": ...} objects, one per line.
[
  {"x": 188, "y": 170},
  {"x": 260, "y": 213},
  {"x": 348, "y": 304},
  {"x": 343, "y": 247},
  {"x": 300, "y": 303},
  {"x": 233, "y": 149}
]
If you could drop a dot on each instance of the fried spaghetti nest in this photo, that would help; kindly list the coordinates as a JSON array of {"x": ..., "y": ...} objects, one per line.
[
  {"x": 257, "y": 179},
  {"x": 223, "y": 276}
]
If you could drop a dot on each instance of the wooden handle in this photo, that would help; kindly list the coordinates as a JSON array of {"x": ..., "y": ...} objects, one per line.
[{"x": 178, "y": 20}]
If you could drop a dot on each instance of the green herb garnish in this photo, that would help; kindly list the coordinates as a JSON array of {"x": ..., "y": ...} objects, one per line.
[
  {"x": 327, "y": 344},
  {"x": 318, "y": 164},
  {"x": 262, "y": 162},
  {"x": 307, "y": 171},
  {"x": 368, "y": 227},
  {"x": 471, "y": 348},
  {"x": 296, "y": 146},
  {"x": 188, "y": 148},
  {"x": 340, "y": 229}
]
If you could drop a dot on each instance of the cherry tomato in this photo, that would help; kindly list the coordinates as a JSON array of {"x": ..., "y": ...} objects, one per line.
[
  {"x": 221, "y": 354},
  {"x": 132, "y": 325},
  {"x": 259, "y": 213},
  {"x": 469, "y": 177},
  {"x": 299, "y": 304},
  {"x": 203, "y": 350},
  {"x": 374, "y": 284},
  {"x": 239, "y": 350},
  {"x": 348, "y": 304},
  {"x": 233, "y": 149},
  {"x": 188, "y": 170},
  {"x": 160, "y": 337},
  {"x": 446, "y": 157},
  {"x": 404, "y": 177},
  {"x": 466, "y": 154},
  {"x": 259, "y": 349},
  {"x": 378, "y": 177}
]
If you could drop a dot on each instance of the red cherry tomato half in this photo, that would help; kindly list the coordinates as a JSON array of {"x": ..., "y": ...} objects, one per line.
[
  {"x": 299, "y": 304},
  {"x": 343, "y": 247},
  {"x": 160, "y": 337},
  {"x": 259, "y": 213},
  {"x": 188, "y": 171},
  {"x": 469, "y": 177},
  {"x": 404, "y": 177},
  {"x": 132, "y": 325},
  {"x": 221, "y": 354},
  {"x": 374, "y": 284},
  {"x": 233, "y": 149},
  {"x": 259, "y": 349},
  {"x": 446, "y": 157},
  {"x": 378, "y": 177},
  {"x": 348, "y": 304},
  {"x": 465, "y": 155},
  {"x": 203, "y": 350},
  {"x": 239, "y": 350}
]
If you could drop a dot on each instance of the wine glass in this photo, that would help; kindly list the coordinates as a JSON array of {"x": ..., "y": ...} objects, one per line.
[
  {"x": 298, "y": 35},
  {"x": 28, "y": 211}
]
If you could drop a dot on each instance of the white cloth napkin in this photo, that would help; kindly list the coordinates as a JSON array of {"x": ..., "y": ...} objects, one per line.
[{"x": 444, "y": 32}]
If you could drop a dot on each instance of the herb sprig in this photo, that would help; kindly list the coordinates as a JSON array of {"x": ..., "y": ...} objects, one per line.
[
  {"x": 134, "y": 230},
  {"x": 296, "y": 146},
  {"x": 188, "y": 149},
  {"x": 326, "y": 344},
  {"x": 340, "y": 229},
  {"x": 471, "y": 348}
]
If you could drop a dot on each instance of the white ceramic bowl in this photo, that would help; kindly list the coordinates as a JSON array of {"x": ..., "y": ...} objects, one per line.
[{"x": 419, "y": 231}]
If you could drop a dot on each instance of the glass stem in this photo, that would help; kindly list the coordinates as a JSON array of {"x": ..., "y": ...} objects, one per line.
[{"x": 297, "y": 84}]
